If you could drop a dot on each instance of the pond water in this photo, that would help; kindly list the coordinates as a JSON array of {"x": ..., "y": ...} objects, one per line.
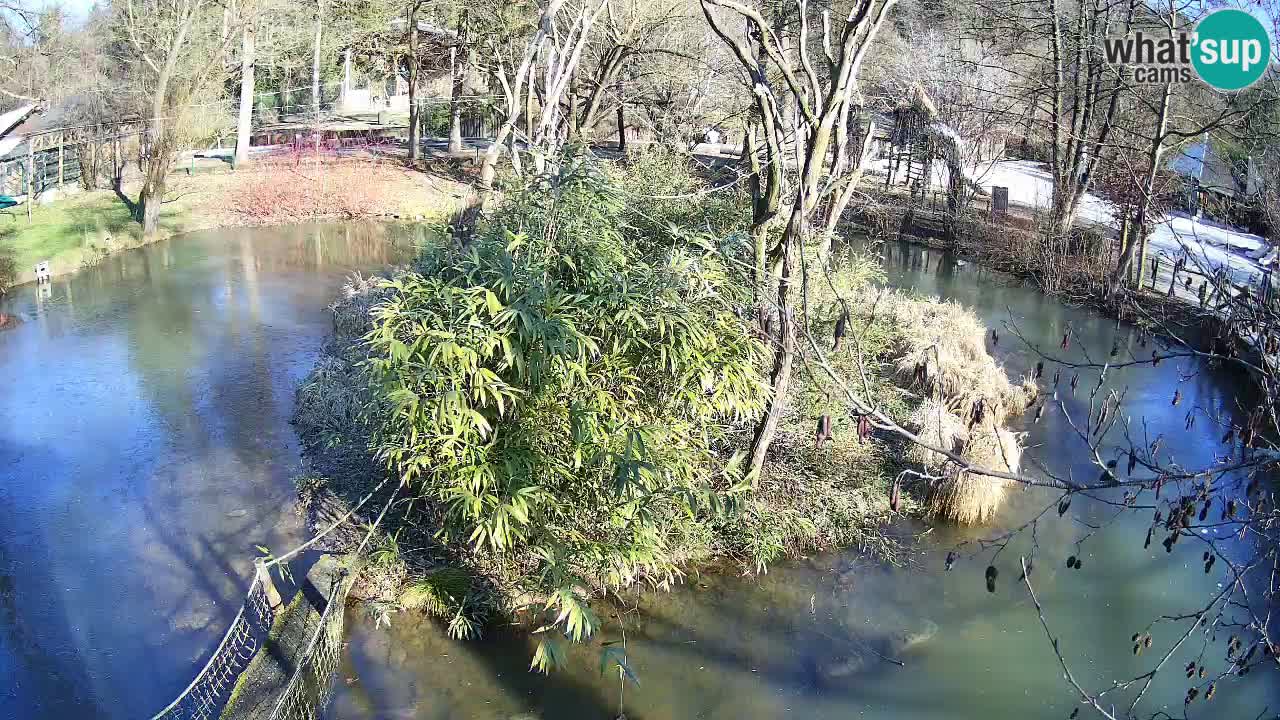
[
  {"x": 801, "y": 641},
  {"x": 145, "y": 450}
]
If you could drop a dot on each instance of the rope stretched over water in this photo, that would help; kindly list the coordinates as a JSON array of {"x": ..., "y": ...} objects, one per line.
[{"x": 294, "y": 552}]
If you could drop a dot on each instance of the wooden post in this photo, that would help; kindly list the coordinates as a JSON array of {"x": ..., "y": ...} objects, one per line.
[
  {"x": 61, "y": 146},
  {"x": 31, "y": 176},
  {"x": 268, "y": 585}
]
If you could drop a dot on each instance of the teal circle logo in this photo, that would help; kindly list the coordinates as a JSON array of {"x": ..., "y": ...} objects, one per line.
[{"x": 1231, "y": 49}]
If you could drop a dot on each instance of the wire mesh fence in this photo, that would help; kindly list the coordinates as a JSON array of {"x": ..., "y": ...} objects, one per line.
[
  {"x": 207, "y": 694},
  {"x": 309, "y": 689},
  {"x": 311, "y": 681}
]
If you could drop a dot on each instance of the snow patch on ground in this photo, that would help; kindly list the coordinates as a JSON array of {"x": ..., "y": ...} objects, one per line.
[{"x": 1208, "y": 245}]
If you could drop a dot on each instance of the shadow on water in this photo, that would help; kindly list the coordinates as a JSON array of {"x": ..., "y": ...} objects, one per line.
[
  {"x": 792, "y": 643},
  {"x": 146, "y": 450}
]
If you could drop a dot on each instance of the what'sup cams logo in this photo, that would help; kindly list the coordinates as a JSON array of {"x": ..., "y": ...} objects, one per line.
[{"x": 1229, "y": 50}]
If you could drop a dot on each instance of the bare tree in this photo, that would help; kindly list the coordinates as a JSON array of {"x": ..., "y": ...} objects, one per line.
[
  {"x": 822, "y": 101},
  {"x": 248, "y": 63},
  {"x": 459, "y": 67},
  {"x": 555, "y": 48},
  {"x": 171, "y": 45}
]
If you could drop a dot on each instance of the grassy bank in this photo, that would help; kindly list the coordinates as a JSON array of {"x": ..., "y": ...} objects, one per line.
[{"x": 83, "y": 229}]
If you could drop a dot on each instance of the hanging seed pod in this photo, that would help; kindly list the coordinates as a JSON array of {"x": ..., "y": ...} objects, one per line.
[
  {"x": 1177, "y": 397},
  {"x": 823, "y": 430},
  {"x": 1191, "y": 696},
  {"x": 1039, "y": 369},
  {"x": 1147, "y": 544},
  {"x": 1157, "y": 518},
  {"x": 1209, "y": 565},
  {"x": 1137, "y": 648},
  {"x": 1190, "y": 669},
  {"x": 1102, "y": 418},
  {"x": 1205, "y": 557},
  {"x": 1039, "y": 413},
  {"x": 1115, "y": 347},
  {"x": 1202, "y": 672},
  {"x": 1133, "y": 463},
  {"x": 1108, "y": 476},
  {"x": 1208, "y": 693},
  {"x": 1146, "y": 643},
  {"x": 1071, "y": 561},
  {"x": 1075, "y": 380},
  {"x": 895, "y": 495},
  {"x": 992, "y": 573},
  {"x": 1155, "y": 358},
  {"x": 1204, "y": 511},
  {"x": 1135, "y": 637},
  {"x": 864, "y": 427},
  {"x": 951, "y": 560},
  {"x": 840, "y": 329},
  {"x": 1230, "y": 510},
  {"x": 1063, "y": 505},
  {"x": 1066, "y": 340},
  {"x": 1168, "y": 543},
  {"x": 1074, "y": 714},
  {"x": 1079, "y": 564},
  {"x": 995, "y": 339}
]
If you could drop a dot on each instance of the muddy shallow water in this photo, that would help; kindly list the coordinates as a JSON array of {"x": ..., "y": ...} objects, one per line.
[
  {"x": 815, "y": 637},
  {"x": 145, "y": 449}
]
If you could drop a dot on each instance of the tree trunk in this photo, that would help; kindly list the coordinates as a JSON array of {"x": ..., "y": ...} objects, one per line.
[
  {"x": 315, "y": 62},
  {"x": 415, "y": 132},
  {"x": 609, "y": 69},
  {"x": 489, "y": 168},
  {"x": 244, "y": 124},
  {"x": 1138, "y": 228},
  {"x": 780, "y": 380},
  {"x": 622, "y": 122},
  {"x": 461, "y": 63},
  {"x": 151, "y": 199}
]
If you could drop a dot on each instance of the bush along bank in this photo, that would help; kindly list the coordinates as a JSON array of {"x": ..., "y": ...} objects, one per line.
[{"x": 566, "y": 395}]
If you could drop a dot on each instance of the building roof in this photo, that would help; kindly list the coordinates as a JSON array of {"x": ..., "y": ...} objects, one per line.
[{"x": 11, "y": 134}]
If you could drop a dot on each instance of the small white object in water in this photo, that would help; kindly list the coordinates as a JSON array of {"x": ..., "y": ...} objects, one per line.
[{"x": 961, "y": 263}]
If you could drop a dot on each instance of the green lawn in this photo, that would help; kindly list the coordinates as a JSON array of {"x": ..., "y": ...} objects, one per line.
[{"x": 70, "y": 233}]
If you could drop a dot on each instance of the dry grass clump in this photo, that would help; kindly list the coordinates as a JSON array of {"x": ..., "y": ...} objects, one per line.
[
  {"x": 351, "y": 311},
  {"x": 959, "y": 496},
  {"x": 938, "y": 427},
  {"x": 970, "y": 499},
  {"x": 940, "y": 352}
]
